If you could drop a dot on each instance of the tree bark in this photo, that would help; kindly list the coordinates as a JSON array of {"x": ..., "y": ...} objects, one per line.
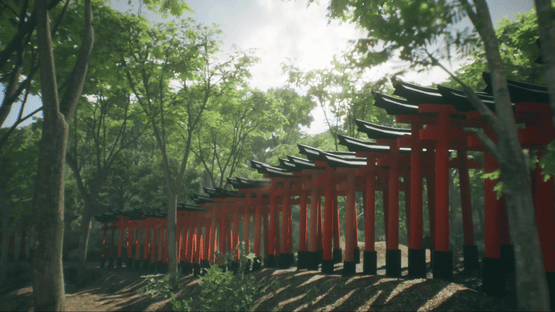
[
  {"x": 5, "y": 240},
  {"x": 48, "y": 200},
  {"x": 84, "y": 234},
  {"x": 546, "y": 24},
  {"x": 532, "y": 293}
]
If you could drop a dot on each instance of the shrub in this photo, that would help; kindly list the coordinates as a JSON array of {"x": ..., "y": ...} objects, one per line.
[{"x": 223, "y": 291}]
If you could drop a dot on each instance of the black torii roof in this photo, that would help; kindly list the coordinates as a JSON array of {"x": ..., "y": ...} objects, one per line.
[
  {"x": 272, "y": 171},
  {"x": 395, "y": 105},
  {"x": 189, "y": 207},
  {"x": 200, "y": 199},
  {"x": 333, "y": 158},
  {"x": 222, "y": 193},
  {"x": 375, "y": 131},
  {"x": 243, "y": 183},
  {"x": 521, "y": 91},
  {"x": 357, "y": 145},
  {"x": 303, "y": 163}
]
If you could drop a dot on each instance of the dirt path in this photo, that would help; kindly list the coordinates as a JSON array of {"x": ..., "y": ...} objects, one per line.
[{"x": 297, "y": 290}]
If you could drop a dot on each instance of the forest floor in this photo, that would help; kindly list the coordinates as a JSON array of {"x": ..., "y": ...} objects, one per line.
[{"x": 293, "y": 291}]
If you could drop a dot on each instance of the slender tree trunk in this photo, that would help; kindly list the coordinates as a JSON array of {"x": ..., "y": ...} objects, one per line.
[
  {"x": 5, "y": 244},
  {"x": 48, "y": 200},
  {"x": 172, "y": 243},
  {"x": 84, "y": 233},
  {"x": 546, "y": 23},
  {"x": 532, "y": 293},
  {"x": 48, "y": 215}
]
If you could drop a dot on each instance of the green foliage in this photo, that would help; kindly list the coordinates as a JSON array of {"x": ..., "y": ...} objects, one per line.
[
  {"x": 223, "y": 291},
  {"x": 157, "y": 286},
  {"x": 519, "y": 52},
  {"x": 406, "y": 27}
]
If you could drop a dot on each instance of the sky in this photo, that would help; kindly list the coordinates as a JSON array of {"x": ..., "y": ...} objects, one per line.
[{"x": 290, "y": 32}]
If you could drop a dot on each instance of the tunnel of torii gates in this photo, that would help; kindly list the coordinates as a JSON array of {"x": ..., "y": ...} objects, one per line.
[{"x": 397, "y": 160}]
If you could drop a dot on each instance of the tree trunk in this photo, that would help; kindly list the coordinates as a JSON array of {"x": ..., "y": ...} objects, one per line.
[
  {"x": 84, "y": 233},
  {"x": 546, "y": 24},
  {"x": 172, "y": 243},
  {"x": 48, "y": 200},
  {"x": 48, "y": 216},
  {"x": 532, "y": 293},
  {"x": 5, "y": 244}
]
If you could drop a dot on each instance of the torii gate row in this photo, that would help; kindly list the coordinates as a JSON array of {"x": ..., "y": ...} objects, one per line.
[
  {"x": 134, "y": 222},
  {"x": 324, "y": 172},
  {"x": 452, "y": 112}
]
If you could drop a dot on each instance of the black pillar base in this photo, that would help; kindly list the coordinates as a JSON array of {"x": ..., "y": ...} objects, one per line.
[
  {"x": 247, "y": 267},
  {"x": 136, "y": 265},
  {"x": 234, "y": 266},
  {"x": 349, "y": 268},
  {"x": 417, "y": 263},
  {"x": 432, "y": 257},
  {"x": 356, "y": 255},
  {"x": 551, "y": 288},
  {"x": 337, "y": 255},
  {"x": 470, "y": 254},
  {"x": 291, "y": 259},
  {"x": 223, "y": 268},
  {"x": 327, "y": 266},
  {"x": 312, "y": 261},
  {"x": 270, "y": 262},
  {"x": 508, "y": 257},
  {"x": 129, "y": 264},
  {"x": 284, "y": 261},
  {"x": 493, "y": 277},
  {"x": 164, "y": 267},
  {"x": 319, "y": 256},
  {"x": 196, "y": 269},
  {"x": 204, "y": 264},
  {"x": 443, "y": 265},
  {"x": 158, "y": 266},
  {"x": 393, "y": 262},
  {"x": 151, "y": 267},
  {"x": 119, "y": 263},
  {"x": 187, "y": 268},
  {"x": 301, "y": 260},
  {"x": 257, "y": 265},
  {"x": 370, "y": 263},
  {"x": 102, "y": 263},
  {"x": 144, "y": 265}
]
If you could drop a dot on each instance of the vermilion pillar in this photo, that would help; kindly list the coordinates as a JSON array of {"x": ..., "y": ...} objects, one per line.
[
  {"x": 130, "y": 232},
  {"x": 112, "y": 253},
  {"x": 303, "y": 246},
  {"x": 205, "y": 263},
  {"x": 146, "y": 245},
  {"x": 257, "y": 232},
  {"x": 274, "y": 222},
  {"x": 198, "y": 250},
  {"x": 327, "y": 263},
  {"x": 493, "y": 279},
  {"x": 337, "y": 251},
  {"x": 349, "y": 265},
  {"x": 267, "y": 261},
  {"x": 470, "y": 250},
  {"x": 153, "y": 253},
  {"x": 441, "y": 133},
  {"x": 103, "y": 251},
  {"x": 545, "y": 220},
  {"x": 285, "y": 257},
  {"x": 121, "y": 225},
  {"x": 137, "y": 264},
  {"x": 393, "y": 254},
  {"x": 312, "y": 259},
  {"x": 370, "y": 255}
]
